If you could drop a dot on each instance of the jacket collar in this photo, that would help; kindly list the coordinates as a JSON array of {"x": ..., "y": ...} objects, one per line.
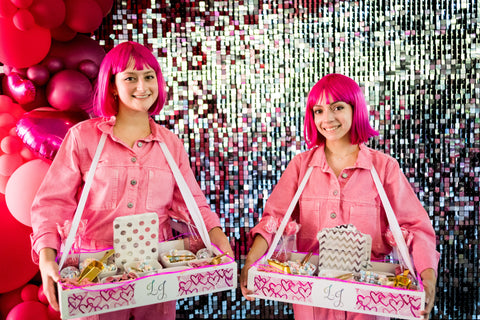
[
  {"x": 106, "y": 125},
  {"x": 364, "y": 159}
]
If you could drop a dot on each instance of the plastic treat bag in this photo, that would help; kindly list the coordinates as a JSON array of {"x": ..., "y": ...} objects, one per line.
[
  {"x": 287, "y": 243},
  {"x": 395, "y": 251},
  {"x": 74, "y": 254}
]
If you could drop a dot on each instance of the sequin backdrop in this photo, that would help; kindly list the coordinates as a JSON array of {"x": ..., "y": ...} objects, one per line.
[{"x": 239, "y": 72}]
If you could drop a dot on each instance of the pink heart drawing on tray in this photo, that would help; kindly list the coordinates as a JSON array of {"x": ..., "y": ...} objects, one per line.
[
  {"x": 213, "y": 279},
  {"x": 74, "y": 301},
  {"x": 289, "y": 285},
  {"x": 378, "y": 297},
  {"x": 396, "y": 304}
]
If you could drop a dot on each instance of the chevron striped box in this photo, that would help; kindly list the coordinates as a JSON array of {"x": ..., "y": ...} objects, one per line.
[{"x": 337, "y": 294}]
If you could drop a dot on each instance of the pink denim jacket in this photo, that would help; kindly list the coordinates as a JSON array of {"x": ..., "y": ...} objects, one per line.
[
  {"x": 127, "y": 181},
  {"x": 351, "y": 198}
]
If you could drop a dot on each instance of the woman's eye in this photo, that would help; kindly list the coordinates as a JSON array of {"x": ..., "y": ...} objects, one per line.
[{"x": 151, "y": 77}]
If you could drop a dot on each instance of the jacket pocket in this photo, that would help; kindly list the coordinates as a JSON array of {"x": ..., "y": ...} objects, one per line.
[{"x": 160, "y": 189}]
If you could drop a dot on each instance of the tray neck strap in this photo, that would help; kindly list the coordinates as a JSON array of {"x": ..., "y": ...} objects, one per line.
[
  {"x": 393, "y": 223},
  {"x": 288, "y": 214},
  {"x": 82, "y": 201},
  {"x": 188, "y": 197}
]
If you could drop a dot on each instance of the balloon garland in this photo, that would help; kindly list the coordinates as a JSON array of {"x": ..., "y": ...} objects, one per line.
[{"x": 50, "y": 65}]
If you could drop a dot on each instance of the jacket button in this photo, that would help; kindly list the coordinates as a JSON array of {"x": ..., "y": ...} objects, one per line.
[
  {"x": 130, "y": 205},
  {"x": 344, "y": 175},
  {"x": 133, "y": 182},
  {"x": 333, "y": 215}
]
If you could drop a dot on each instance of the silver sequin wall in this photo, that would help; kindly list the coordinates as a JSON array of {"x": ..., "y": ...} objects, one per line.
[{"x": 238, "y": 73}]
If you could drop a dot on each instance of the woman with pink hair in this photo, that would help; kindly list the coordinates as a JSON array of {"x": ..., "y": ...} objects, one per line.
[
  {"x": 340, "y": 190},
  {"x": 132, "y": 176}
]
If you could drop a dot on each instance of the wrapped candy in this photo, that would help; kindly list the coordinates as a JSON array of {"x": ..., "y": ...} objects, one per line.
[
  {"x": 74, "y": 254},
  {"x": 391, "y": 241}
]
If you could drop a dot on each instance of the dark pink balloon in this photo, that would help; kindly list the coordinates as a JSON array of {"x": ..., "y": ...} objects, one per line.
[
  {"x": 106, "y": 6},
  {"x": 83, "y": 16},
  {"x": 23, "y": 20},
  {"x": 48, "y": 13},
  {"x": 70, "y": 90},
  {"x": 39, "y": 74},
  {"x": 63, "y": 33},
  {"x": 75, "y": 51},
  {"x": 53, "y": 64},
  {"x": 88, "y": 68},
  {"x": 43, "y": 129},
  {"x": 15, "y": 240},
  {"x": 22, "y": 49},
  {"x": 29, "y": 310},
  {"x": 21, "y": 89}
]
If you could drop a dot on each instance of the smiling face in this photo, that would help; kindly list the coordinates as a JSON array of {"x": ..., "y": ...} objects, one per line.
[
  {"x": 137, "y": 90},
  {"x": 333, "y": 119}
]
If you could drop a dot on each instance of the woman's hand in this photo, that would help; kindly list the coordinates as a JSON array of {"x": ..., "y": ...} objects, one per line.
[
  {"x": 429, "y": 280},
  {"x": 244, "y": 281},
  {"x": 258, "y": 249},
  {"x": 49, "y": 271},
  {"x": 218, "y": 238}
]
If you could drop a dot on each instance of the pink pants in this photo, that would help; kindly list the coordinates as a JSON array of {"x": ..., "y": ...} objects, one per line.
[
  {"x": 314, "y": 313},
  {"x": 163, "y": 311}
]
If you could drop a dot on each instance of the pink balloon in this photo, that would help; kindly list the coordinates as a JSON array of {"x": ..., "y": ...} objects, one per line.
[
  {"x": 83, "y": 16},
  {"x": 9, "y": 300},
  {"x": 43, "y": 129},
  {"x": 88, "y": 68},
  {"x": 29, "y": 310},
  {"x": 22, "y": 187},
  {"x": 77, "y": 50},
  {"x": 38, "y": 74},
  {"x": 6, "y": 120},
  {"x": 52, "y": 314},
  {"x": 5, "y": 103},
  {"x": 41, "y": 295},
  {"x": 3, "y": 183},
  {"x": 48, "y": 13},
  {"x": 70, "y": 90},
  {"x": 29, "y": 292},
  {"x": 22, "y": 4},
  {"x": 11, "y": 144},
  {"x": 27, "y": 155},
  {"x": 15, "y": 240},
  {"x": 23, "y": 20},
  {"x": 63, "y": 33},
  {"x": 22, "y": 49},
  {"x": 9, "y": 163},
  {"x": 21, "y": 89},
  {"x": 7, "y": 9}
]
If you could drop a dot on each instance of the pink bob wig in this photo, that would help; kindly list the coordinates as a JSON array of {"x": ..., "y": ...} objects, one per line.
[
  {"x": 339, "y": 88},
  {"x": 116, "y": 61}
]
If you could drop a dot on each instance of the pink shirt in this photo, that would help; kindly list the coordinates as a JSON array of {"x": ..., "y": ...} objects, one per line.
[
  {"x": 351, "y": 198},
  {"x": 127, "y": 181}
]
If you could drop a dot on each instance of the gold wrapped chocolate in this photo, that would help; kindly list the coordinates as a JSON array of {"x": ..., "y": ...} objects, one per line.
[
  {"x": 283, "y": 267},
  {"x": 402, "y": 280}
]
